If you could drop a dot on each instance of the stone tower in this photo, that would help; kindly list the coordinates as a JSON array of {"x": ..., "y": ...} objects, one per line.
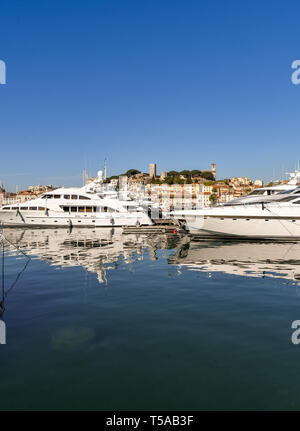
[
  {"x": 152, "y": 170},
  {"x": 213, "y": 170}
]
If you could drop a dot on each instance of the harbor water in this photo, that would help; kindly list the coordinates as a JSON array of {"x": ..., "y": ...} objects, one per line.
[{"x": 99, "y": 320}]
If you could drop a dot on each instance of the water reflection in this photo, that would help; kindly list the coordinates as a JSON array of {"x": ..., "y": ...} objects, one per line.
[
  {"x": 101, "y": 250},
  {"x": 97, "y": 250},
  {"x": 251, "y": 259}
]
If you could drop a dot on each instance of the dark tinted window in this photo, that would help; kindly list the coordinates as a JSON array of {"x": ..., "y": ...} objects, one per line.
[{"x": 288, "y": 198}]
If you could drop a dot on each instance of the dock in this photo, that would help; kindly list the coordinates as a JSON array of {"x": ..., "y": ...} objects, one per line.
[{"x": 154, "y": 229}]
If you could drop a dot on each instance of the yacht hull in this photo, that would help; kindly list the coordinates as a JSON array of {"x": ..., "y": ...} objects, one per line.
[
  {"x": 244, "y": 227},
  {"x": 13, "y": 219}
]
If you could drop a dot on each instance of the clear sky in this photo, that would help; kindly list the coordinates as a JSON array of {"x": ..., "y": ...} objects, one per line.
[{"x": 179, "y": 83}]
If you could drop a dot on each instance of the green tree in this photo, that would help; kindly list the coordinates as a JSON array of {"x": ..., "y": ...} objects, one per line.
[
  {"x": 132, "y": 172},
  {"x": 207, "y": 175},
  {"x": 178, "y": 180},
  {"x": 168, "y": 180},
  {"x": 186, "y": 173},
  {"x": 172, "y": 173},
  {"x": 213, "y": 198},
  {"x": 195, "y": 173}
]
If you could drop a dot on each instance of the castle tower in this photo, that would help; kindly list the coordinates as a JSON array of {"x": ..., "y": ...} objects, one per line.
[
  {"x": 213, "y": 170},
  {"x": 152, "y": 170}
]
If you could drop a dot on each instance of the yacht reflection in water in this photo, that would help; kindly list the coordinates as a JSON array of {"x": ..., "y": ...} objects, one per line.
[
  {"x": 251, "y": 259},
  {"x": 97, "y": 250},
  {"x": 100, "y": 250}
]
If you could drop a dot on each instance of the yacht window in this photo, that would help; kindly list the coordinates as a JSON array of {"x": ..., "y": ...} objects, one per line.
[
  {"x": 285, "y": 192},
  {"x": 94, "y": 209},
  {"x": 41, "y": 209},
  {"x": 33, "y": 208},
  {"x": 73, "y": 209},
  {"x": 297, "y": 202},
  {"x": 56, "y": 196},
  {"x": 6, "y": 208},
  {"x": 66, "y": 196},
  {"x": 81, "y": 209},
  {"x": 105, "y": 209},
  {"x": 84, "y": 198},
  {"x": 14, "y": 208},
  {"x": 74, "y": 197},
  {"x": 24, "y": 208},
  {"x": 66, "y": 209},
  {"x": 89, "y": 209},
  {"x": 47, "y": 197},
  {"x": 288, "y": 198},
  {"x": 257, "y": 192}
]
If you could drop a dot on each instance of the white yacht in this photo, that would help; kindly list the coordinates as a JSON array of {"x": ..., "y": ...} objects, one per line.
[
  {"x": 272, "y": 214},
  {"x": 278, "y": 219},
  {"x": 77, "y": 206}
]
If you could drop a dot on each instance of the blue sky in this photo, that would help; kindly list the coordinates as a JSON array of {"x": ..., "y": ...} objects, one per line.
[{"x": 179, "y": 83}]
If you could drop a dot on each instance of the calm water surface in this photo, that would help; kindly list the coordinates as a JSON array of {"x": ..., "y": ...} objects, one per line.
[{"x": 100, "y": 320}]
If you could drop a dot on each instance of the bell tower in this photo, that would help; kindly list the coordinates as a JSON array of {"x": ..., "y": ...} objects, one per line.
[{"x": 213, "y": 170}]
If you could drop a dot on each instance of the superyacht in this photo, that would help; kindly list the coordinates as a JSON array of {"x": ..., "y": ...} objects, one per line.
[
  {"x": 265, "y": 216},
  {"x": 89, "y": 206}
]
